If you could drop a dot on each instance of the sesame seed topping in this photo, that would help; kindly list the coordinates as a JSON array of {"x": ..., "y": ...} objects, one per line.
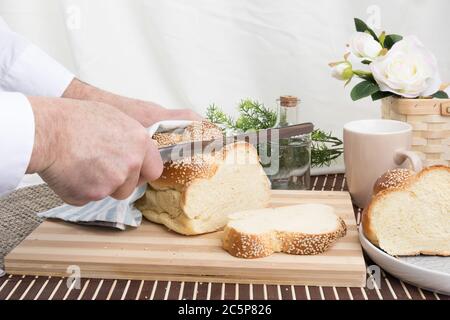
[{"x": 395, "y": 178}]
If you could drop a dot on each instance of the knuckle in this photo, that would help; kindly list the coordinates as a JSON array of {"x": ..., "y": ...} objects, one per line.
[
  {"x": 117, "y": 180},
  {"x": 115, "y": 175},
  {"x": 137, "y": 145},
  {"x": 76, "y": 202},
  {"x": 97, "y": 194},
  {"x": 122, "y": 194},
  {"x": 140, "y": 141},
  {"x": 141, "y": 135},
  {"x": 133, "y": 163},
  {"x": 156, "y": 171},
  {"x": 135, "y": 136}
]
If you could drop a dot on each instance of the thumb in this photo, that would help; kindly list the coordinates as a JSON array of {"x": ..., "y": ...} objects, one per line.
[{"x": 152, "y": 166}]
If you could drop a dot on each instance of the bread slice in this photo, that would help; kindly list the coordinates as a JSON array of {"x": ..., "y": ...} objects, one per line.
[
  {"x": 411, "y": 214},
  {"x": 195, "y": 195},
  {"x": 301, "y": 229}
]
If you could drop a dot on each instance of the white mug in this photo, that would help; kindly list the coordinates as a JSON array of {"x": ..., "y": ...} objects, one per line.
[{"x": 372, "y": 147}]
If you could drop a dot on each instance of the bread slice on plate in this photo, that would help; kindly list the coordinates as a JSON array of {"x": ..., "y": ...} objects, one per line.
[
  {"x": 409, "y": 214},
  {"x": 301, "y": 229}
]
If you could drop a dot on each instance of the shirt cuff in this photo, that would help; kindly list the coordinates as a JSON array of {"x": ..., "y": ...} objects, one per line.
[
  {"x": 16, "y": 139},
  {"x": 35, "y": 73}
]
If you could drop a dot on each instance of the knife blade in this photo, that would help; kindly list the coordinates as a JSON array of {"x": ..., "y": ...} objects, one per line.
[{"x": 188, "y": 149}]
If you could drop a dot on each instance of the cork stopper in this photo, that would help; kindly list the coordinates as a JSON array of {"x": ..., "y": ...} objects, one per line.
[{"x": 288, "y": 101}]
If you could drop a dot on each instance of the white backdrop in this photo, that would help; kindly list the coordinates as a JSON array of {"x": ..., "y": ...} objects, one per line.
[
  {"x": 184, "y": 53},
  {"x": 188, "y": 54}
]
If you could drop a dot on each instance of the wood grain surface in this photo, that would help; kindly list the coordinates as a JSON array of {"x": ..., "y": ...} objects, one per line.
[{"x": 151, "y": 252}]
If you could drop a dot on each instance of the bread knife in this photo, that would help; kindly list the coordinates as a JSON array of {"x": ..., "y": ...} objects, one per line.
[{"x": 188, "y": 149}]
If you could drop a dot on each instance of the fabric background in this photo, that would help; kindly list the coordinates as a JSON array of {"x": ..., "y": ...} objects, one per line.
[{"x": 188, "y": 54}]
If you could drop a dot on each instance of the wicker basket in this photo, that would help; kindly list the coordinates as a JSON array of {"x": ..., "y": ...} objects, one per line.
[{"x": 430, "y": 119}]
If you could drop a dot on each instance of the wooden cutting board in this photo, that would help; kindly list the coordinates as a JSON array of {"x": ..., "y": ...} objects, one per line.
[{"x": 153, "y": 252}]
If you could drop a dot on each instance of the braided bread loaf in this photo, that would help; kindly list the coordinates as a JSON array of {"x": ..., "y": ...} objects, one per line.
[
  {"x": 409, "y": 213},
  {"x": 195, "y": 195}
]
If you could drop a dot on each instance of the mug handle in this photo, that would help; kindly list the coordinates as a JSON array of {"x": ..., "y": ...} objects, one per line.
[{"x": 401, "y": 155}]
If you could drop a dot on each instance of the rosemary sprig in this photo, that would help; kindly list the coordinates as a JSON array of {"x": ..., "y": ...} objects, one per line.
[
  {"x": 255, "y": 116},
  {"x": 252, "y": 116},
  {"x": 325, "y": 148},
  {"x": 216, "y": 115}
]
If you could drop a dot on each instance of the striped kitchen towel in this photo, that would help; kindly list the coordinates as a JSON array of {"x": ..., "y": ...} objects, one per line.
[{"x": 110, "y": 212}]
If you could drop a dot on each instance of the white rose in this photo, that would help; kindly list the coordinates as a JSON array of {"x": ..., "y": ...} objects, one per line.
[
  {"x": 408, "y": 69},
  {"x": 364, "y": 46},
  {"x": 342, "y": 70}
]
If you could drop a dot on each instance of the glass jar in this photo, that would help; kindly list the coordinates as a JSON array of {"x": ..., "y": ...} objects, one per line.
[
  {"x": 287, "y": 162},
  {"x": 287, "y": 111}
]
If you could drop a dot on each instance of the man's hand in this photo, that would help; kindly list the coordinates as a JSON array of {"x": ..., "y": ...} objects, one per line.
[
  {"x": 147, "y": 113},
  {"x": 87, "y": 151}
]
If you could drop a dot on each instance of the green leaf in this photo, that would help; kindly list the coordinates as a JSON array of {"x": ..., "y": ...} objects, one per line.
[
  {"x": 361, "y": 26},
  {"x": 364, "y": 75},
  {"x": 382, "y": 37},
  {"x": 440, "y": 95},
  {"x": 390, "y": 40},
  {"x": 364, "y": 89},
  {"x": 381, "y": 94}
]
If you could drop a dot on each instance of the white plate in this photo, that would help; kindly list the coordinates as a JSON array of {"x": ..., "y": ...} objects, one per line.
[{"x": 428, "y": 272}]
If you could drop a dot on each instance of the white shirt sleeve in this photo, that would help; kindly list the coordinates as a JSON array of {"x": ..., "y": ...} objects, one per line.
[
  {"x": 16, "y": 139},
  {"x": 26, "y": 69}
]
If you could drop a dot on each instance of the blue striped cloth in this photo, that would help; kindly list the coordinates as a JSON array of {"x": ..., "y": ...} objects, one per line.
[{"x": 110, "y": 212}]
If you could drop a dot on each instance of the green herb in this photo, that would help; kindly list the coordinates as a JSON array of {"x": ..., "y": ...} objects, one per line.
[
  {"x": 252, "y": 116},
  {"x": 216, "y": 115},
  {"x": 324, "y": 148},
  {"x": 255, "y": 116}
]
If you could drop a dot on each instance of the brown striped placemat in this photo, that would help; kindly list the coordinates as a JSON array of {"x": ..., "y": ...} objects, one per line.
[{"x": 52, "y": 288}]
